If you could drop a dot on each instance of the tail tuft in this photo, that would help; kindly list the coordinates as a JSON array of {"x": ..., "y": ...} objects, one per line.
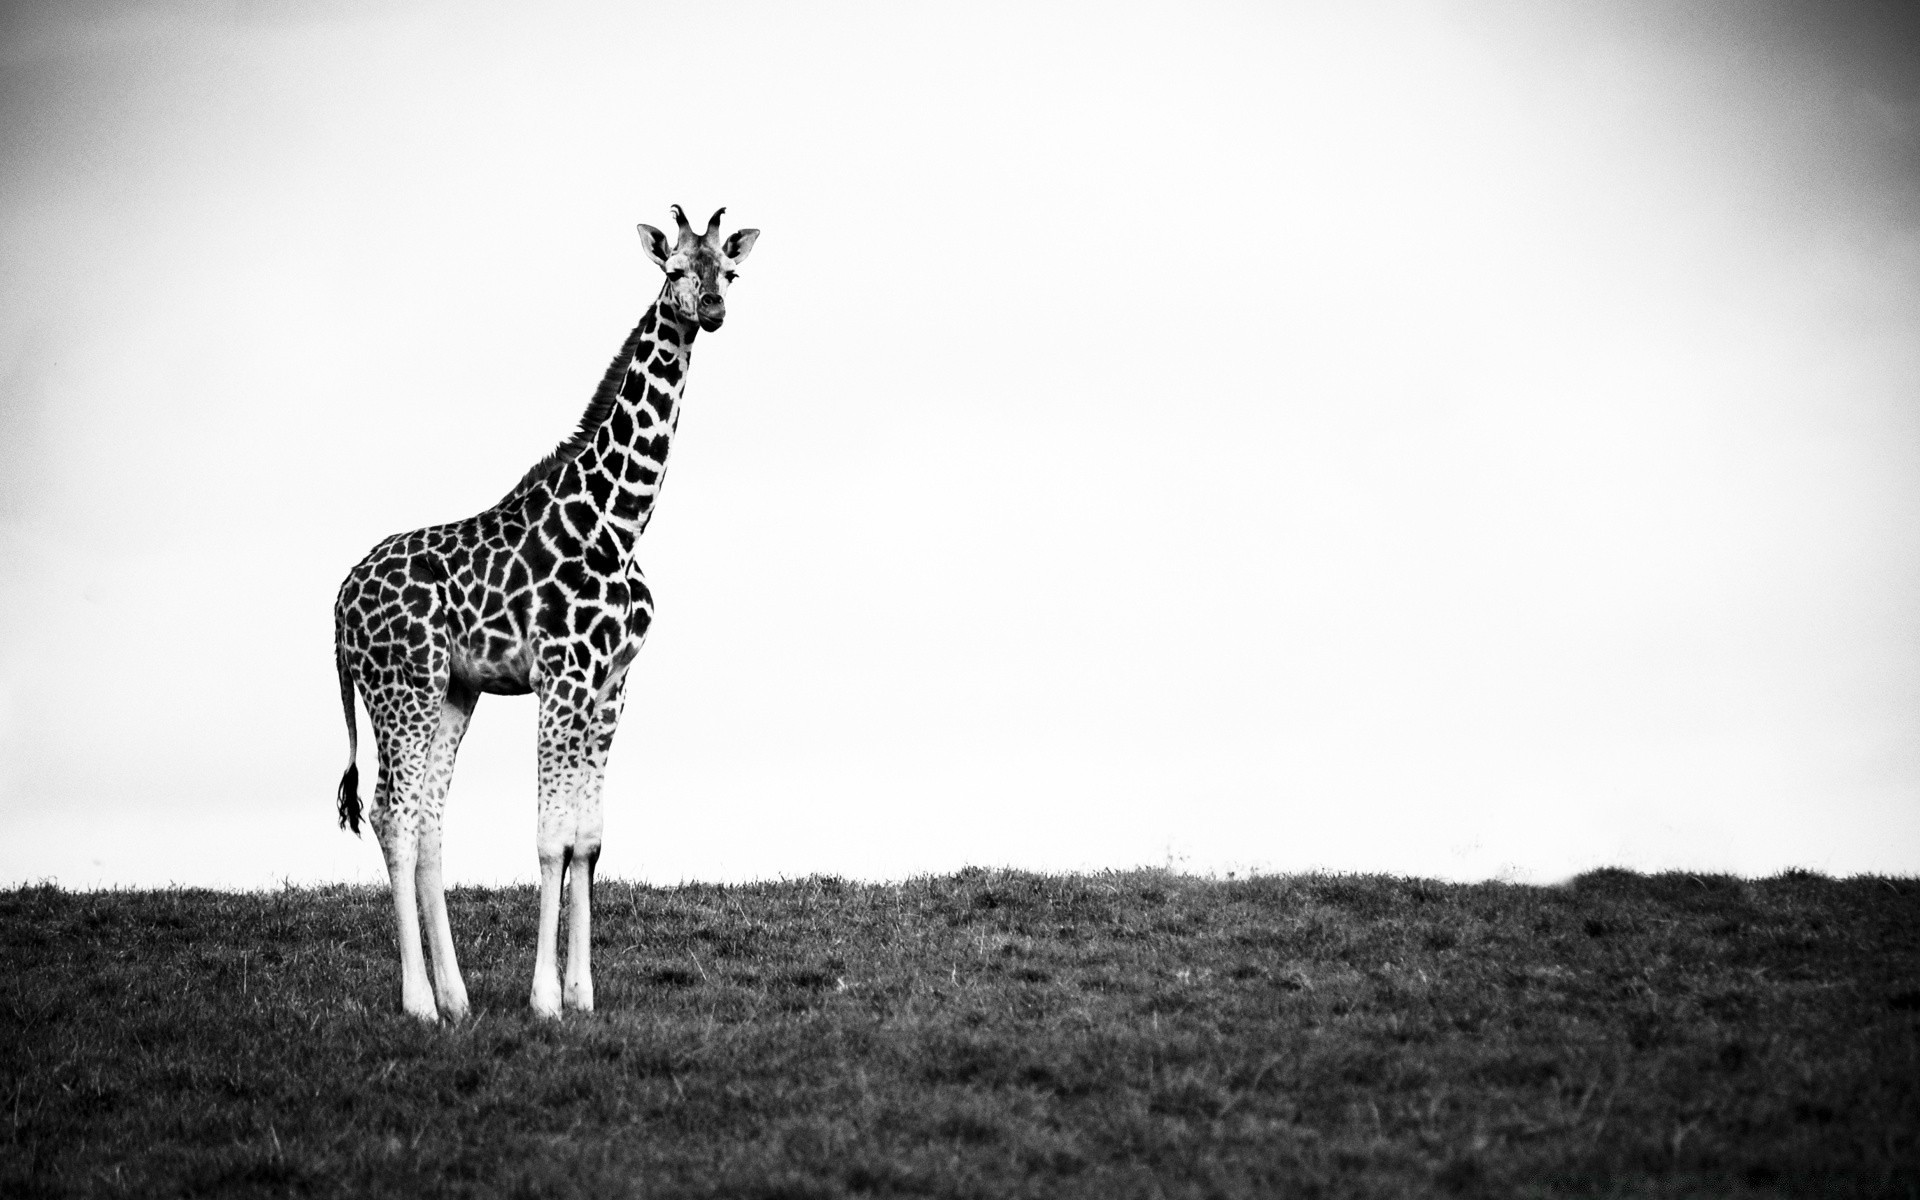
[
  {"x": 350, "y": 799},
  {"x": 349, "y": 795}
]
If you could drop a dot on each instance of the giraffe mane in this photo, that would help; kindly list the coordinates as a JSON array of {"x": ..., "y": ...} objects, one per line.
[{"x": 598, "y": 410}]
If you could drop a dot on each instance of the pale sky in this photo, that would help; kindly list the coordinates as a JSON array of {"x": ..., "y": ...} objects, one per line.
[{"x": 1465, "y": 440}]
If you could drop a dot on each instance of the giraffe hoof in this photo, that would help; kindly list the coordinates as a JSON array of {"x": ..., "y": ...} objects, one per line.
[{"x": 546, "y": 1002}]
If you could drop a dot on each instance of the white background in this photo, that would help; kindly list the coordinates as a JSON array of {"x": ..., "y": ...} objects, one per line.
[{"x": 1464, "y": 440}]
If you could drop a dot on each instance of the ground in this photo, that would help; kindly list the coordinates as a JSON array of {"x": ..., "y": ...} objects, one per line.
[{"x": 989, "y": 1034}]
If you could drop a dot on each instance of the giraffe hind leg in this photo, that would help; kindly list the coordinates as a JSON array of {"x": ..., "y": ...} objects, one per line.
[
  {"x": 408, "y": 724},
  {"x": 395, "y": 821},
  {"x": 449, "y": 989}
]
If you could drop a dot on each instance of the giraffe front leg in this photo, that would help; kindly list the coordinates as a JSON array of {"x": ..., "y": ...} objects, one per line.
[
  {"x": 588, "y": 825},
  {"x": 579, "y": 992},
  {"x": 546, "y": 959},
  {"x": 563, "y": 725}
]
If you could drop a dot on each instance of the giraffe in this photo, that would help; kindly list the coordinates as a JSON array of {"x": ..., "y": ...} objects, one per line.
[{"x": 540, "y": 595}]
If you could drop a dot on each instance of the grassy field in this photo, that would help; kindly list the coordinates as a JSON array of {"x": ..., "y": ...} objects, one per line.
[{"x": 990, "y": 1034}]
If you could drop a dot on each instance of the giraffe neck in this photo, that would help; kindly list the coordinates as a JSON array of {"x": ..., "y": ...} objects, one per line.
[
  {"x": 645, "y": 415},
  {"x": 616, "y": 461}
]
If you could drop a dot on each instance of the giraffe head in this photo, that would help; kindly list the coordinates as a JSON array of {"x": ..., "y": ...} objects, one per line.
[{"x": 699, "y": 266}]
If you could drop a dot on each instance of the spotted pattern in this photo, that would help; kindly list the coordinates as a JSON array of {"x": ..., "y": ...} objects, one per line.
[{"x": 539, "y": 594}]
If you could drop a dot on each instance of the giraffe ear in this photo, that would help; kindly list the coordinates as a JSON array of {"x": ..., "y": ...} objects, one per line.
[
  {"x": 740, "y": 244},
  {"x": 655, "y": 244}
]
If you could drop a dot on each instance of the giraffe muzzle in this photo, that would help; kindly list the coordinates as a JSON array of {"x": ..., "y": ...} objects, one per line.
[{"x": 713, "y": 311}]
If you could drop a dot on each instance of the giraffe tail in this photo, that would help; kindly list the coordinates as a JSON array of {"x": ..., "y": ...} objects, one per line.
[{"x": 349, "y": 795}]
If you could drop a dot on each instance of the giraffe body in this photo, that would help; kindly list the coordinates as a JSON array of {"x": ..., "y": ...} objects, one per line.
[{"x": 540, "y": 595}]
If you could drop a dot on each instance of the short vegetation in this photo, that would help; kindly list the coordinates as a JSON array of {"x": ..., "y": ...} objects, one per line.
[{"x": 990, "y": 1034}]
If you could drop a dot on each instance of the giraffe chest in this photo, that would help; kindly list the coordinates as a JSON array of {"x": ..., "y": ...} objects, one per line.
[{"x": 567, "y": 619}]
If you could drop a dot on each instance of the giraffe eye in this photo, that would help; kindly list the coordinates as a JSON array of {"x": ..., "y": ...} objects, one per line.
[{"x": 732, "y": 275}]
